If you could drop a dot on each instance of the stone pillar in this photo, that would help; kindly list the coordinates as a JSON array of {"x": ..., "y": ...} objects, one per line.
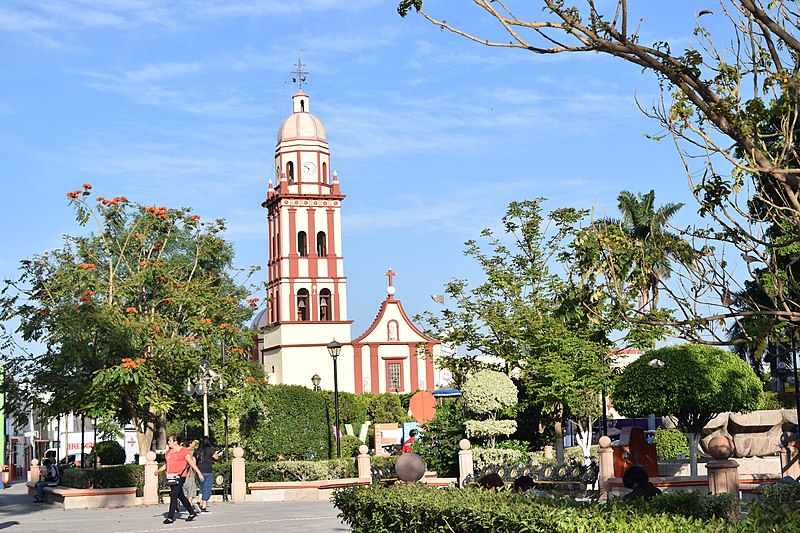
[
  {"x": 605, "y": 463},
  {"x": 465, "y": 464},
  {"x": 150, "y": 479},
  {"x": 723, "y": 472},
  {"x": 790, "y": 455},
  {"x": 33, "y": 473},
  {"x": 238, "y": 483},
  {"x": 362, "y": 461},
  {"x": 548, "y": 452}
]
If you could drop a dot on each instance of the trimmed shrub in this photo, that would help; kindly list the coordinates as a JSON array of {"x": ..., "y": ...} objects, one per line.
[
  {"x": 291, "y": 421},
  {"x": 109, "y": 452},
  {"x": 105, "y": 477},
  {"x": 483, "y": 457},
  {"x": 778, "y": 400},
  {"x": 349, "y": 445},
  {"x": 437, "y": 443},
  {"x": 780, "y": 495},
  {"x": 300, "y": 470},
  {"x": 670, "y": 443},
  {"x": 573, "y": 454},
  {"x": 405, "y": 507}
]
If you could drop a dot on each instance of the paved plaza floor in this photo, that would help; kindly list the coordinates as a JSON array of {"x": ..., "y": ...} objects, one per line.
[{"x": 18, "y": 513}]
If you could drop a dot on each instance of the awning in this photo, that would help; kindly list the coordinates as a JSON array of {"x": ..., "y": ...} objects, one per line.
[{"x": 444, "y": 393}]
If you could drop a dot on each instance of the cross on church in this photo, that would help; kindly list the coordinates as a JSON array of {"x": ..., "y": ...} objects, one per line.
[
  {"x": 299, "y": 75},
  {"x": 390, "y": 274}
]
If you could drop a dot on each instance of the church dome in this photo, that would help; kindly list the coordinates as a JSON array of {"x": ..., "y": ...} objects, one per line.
[{"x": 301, "y": 124}]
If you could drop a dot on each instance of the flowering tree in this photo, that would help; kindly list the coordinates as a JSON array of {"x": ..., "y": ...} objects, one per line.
[
  {"x": 124, "y": 315},
  {"x": 486, "y": 393}
]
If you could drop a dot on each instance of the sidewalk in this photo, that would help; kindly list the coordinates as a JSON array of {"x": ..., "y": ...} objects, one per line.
[{"x": 18, "y": 513}]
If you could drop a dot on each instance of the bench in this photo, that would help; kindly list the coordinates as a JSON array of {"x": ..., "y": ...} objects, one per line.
[
  {"x": 221, "y": 486},
  {"x": 564, "y": 477}
]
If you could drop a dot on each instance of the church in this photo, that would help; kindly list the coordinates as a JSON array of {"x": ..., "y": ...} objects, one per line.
[{"x": 307, "y": 288}]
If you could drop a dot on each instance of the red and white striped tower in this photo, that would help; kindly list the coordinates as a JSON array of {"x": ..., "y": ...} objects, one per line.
[{"x": 306, "y": 290}]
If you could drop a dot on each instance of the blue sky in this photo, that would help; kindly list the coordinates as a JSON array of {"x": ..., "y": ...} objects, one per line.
[{"x": 178, "y": 102}]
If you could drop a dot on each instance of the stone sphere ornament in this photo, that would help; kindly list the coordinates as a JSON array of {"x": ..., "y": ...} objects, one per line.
[
  {"x": 410, "y": 467},
  {"x": 720, "y": 447}
]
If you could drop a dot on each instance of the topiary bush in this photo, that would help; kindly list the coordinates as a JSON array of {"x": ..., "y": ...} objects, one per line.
[
  {"x": 287, "y": 420},
  {"x": 780, "y": 495},
  {"x": 109, "y": 452},
  {"x": 349, "y": 445},
  {"x": 670, "y": 443}
]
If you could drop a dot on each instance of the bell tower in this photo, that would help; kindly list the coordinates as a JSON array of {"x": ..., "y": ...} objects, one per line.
[{"x": 306, "y": 288}]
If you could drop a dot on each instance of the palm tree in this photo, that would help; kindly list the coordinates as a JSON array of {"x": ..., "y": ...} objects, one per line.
[{"x": 639, "y": 247}]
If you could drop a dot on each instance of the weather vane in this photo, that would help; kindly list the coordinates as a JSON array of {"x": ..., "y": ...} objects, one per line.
[{"x": 299, "y": 75}]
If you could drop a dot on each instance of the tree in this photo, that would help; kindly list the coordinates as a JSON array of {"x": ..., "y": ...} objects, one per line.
[
  {"x": 731, "y": 110},
  {"x": 486, "y": 394},
  {"x": 693, "y": 383},
  {"x": 649, "y": 242},
  {"x": 125, "y": 314},
  {"x": 553, "y": 328}
]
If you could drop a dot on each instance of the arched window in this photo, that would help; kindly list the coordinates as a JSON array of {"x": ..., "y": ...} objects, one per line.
[
  {"x": 302, "y": 305},
  {"x": 322, "y": 247},
  {"x": 290, "y": 171},
  {"x": 392, "y": 331},
  {"x": 325, "y": 309},
  {"x": 302, "y": 244},
  {"x": 324, "y": 172},
  {"x": 302, "y": 106}
]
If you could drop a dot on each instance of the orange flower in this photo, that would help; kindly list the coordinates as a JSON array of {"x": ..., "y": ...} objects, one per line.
[
  {"x": 206, "y": 321},
  {"x": 78, "y": 307},
  {"x": 195, "y": 217},
  {"x": 190, "y": 339},
  {"x": 86, "y": 266},
  {"x": 87, "y": 186},
  {"x": 166, "y": 301},
  {"x": 73, "y": 194},
  {"x": 131, "y": 310},
  {"x": 142, "y": 263},
  {"x": 139, "y": 361},
  {"x": 223, "y": 326},
  {"x": 161, "y": 279},
  {"x": 252, "y": 300},
  {"x": 84, "y": 299},
  {"x": 44, "y": 311},
  {"x": 155, "y": 328}
]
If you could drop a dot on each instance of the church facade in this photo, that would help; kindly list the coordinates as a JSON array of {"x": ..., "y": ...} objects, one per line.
[{"x": 307, "y": 288}]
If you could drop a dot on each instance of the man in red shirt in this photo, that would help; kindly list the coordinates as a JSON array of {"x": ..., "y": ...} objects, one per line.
[{"x": 407, "y": 444}]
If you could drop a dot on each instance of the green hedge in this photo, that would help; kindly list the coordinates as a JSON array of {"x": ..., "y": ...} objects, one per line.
[
  {"x": 105, "y": 477},
  {"x": 300, "y": 470},
  {"x": 403, "y": 507}
]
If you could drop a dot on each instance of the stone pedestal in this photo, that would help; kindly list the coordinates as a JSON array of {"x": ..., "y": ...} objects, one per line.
[
  {"x": 605, "y": 463},
  {"x": 238, "y": 482},
  {"x": 465, "y": 464},
  {"x": 548, "y": 452},
  {"x": 363, "y": 463},
  {"x": 723, "y": 472},
  {"x": 33, "y": 473},
  {"x": 150, "y": 491},
  {"x": 723, "y": 476}
]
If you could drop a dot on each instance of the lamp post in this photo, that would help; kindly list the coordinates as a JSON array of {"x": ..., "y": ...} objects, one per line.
[
  {"x": 204, "y": 383},
  {"x": 334, "y": 349},
  {"x": 315, "y": 380}
]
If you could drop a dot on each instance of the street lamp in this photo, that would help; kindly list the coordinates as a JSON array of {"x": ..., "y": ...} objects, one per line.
[
  {"x": 315, "y": 380},
  {"x": 334, "y": 349},
  {"x": 204, "y": 382}
]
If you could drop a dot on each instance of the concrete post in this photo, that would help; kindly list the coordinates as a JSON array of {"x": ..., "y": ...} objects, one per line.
[
  {"x": 238, "y": 482},
  {"x": 150, "y": 479},
  {"x": 605, "y": 463},
  {"x": 465, "y": 464},
  {"x": 362, "y": 461},
  {"x": 548, "y": 452},
  {"x": 790, "y": 462},
  {"x": 723, "y": 472},
  {"x": 34, "y": 472}
]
